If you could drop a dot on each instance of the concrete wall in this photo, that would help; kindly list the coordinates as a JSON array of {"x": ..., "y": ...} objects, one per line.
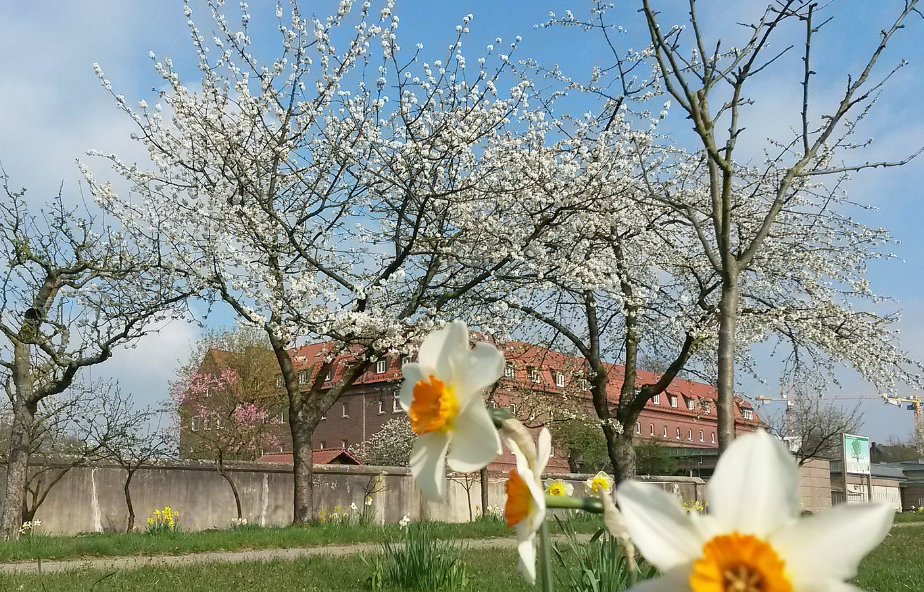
[
  {"x": 815, "y": 479},
  {"x": 90, "y": 499}
]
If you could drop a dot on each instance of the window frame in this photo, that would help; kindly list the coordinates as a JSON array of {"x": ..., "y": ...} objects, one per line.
[{"x": 381, "y": 365}]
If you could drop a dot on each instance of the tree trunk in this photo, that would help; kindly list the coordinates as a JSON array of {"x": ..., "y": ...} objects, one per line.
[
  {"x": 726, "y": 363},
  {"x": 227, "y": 477},
  {"x": 622, "y": 453},
  {"x": 17, "y": 469},
  {"x": 303, "y": 469},
  {"x": 483, "y": 473},
  {"x": 128, "y": 501}
]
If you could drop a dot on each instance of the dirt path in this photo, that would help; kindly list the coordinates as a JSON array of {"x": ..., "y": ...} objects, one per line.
[{"x": 135, "y": 562}]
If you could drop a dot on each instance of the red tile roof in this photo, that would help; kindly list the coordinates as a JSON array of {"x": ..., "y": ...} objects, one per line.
[{"x": 321, "y": 456}]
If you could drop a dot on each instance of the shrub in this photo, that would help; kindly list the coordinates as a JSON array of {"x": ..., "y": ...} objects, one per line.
[{"x": 417, "y": 561}]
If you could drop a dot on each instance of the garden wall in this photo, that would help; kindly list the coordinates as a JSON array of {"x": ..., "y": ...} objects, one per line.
[{"x": 91, "y": 499}]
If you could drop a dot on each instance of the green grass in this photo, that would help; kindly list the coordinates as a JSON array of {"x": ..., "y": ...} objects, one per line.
[
  {"x": 909, "y": 517},
  {"x": 895, "y": 566},
  {"x": 494, "y": 571},
  {"x": 119, "y": 545}
]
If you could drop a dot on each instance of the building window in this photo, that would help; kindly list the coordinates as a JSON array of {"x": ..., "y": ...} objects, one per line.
[
  {"x": 303, "y": 377},
  {"x": 381, "y": 366},
  {"x": 551, "y": 452},
  {"x": 638, "y": 427},
  {"x": 206, "y": 424},
  {"x": 405, "y": 360},
  {"x": 677, "y": 433},
  {"x": 323, "y": 444},
  {"x": 651, "y": 429},
  {"x": 330, "y": 374},
  {"x": 381, "y": 407},
  {"x": 509, "y": 370},
  {"x": 492, "y": 404},
  {"x": 691, "y": 404},
  {"x": 513, "y": 409},
  {"x": 585, "y": 385},
  {"x": 707, "y": 406},
  {"x": 560, "y": 379},
  {"x": 689, "y": 435},
  {"x": 656, "y": 399},
  {"x": 673, "y": 400},
  {"x": 194, "y": 424},
  {"x": 344, "y": 412},
  {"x": 713, "y": 437},
  {"x": 665, "y": 431},
  {"x": 343, "y": 443},
  {"x": 535, "y": 375},
  {"x": 701, "y": 437},
  {"x": 395, "y": 404},
  {"x": 278, "y": 381},
  {"x": 748, "y": 414}
]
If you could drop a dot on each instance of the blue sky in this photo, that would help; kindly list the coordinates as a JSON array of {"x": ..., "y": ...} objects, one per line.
[{"x": 52, "y": 110}]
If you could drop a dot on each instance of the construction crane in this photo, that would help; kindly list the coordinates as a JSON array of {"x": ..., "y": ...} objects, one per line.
[{"x": 914, "y": 404}]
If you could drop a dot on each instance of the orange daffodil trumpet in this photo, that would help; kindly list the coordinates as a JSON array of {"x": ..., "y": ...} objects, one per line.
[
  {"x": 442, "y": 394},
  {"x": 525, "y": 508},
  {"x": 752, "y": 539}
]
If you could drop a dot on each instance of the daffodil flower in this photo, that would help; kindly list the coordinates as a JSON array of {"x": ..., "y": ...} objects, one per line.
[
  {"x": 525, "y": 507},
  {"x": 599, "y": 482},
  {"x": 559, "y": 487},
  {"x": 442, "y": 394},
  {"x": 752, "y": 539}
]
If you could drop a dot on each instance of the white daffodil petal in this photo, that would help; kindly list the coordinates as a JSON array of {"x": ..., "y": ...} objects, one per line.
[
  {"x": 543, "y": 451},
  {"x": 675, "y": 580},
  {"x": 440, "y": 348},
  {"x": 481, "y": 441},
  {"x": 755, "y": 488},
  {"x": 526, "y": 548},
  {"x": 844, "y": 535},
  {"x": 660, "y": 528},
  {"x": 428, "y": 460},
  {"x": 475, "y": 370},
  {"x": 412, "y": 373}
]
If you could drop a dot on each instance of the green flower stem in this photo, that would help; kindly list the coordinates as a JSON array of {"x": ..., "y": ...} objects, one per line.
[
  {"x": 545, "y": 557},
  {"x": 587, "y": 504}
]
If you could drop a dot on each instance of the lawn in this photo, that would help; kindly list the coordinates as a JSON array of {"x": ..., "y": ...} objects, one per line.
[
  {"x": 893, "y": 567},
  {"x": 118, "y": 545},
  {"x": 909, "y": 517}
]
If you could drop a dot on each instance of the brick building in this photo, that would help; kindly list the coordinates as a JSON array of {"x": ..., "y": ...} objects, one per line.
[{"x": 536, "y": 382}]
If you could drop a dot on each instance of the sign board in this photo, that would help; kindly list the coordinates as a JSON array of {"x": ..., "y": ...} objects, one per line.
[{"x": 856, "y": 454}]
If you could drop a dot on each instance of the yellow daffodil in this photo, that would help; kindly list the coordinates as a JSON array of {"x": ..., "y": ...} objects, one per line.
[
  {"x": 752, "y": 539},
  {"x": 559, "y": 487},
  {"x": 442, "y": 394},
  {"x": 525, "y": 507},
  {"x": 599, "y": 482}
]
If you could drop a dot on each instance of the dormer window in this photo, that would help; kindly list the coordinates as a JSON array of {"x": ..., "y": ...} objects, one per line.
[
  {"x": 673, "y": 401},
  {"x": 330, "y": 374},
  {"x": 278, "y": 381},
  {"x": 535, "y": 375},
  {"x": 691, "y": 404},
  {"x": 585, "y": 384},
  {"x": 707, "y": 406},
  {"x": 303, "y": 377},
  {"x": 509, "y": 370},
  {"x": 381, "y": 366},
  {"x": 747, "y": 413},
  {"x": 559, "y": 379},
  {"x": 656, "y": 399}
]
